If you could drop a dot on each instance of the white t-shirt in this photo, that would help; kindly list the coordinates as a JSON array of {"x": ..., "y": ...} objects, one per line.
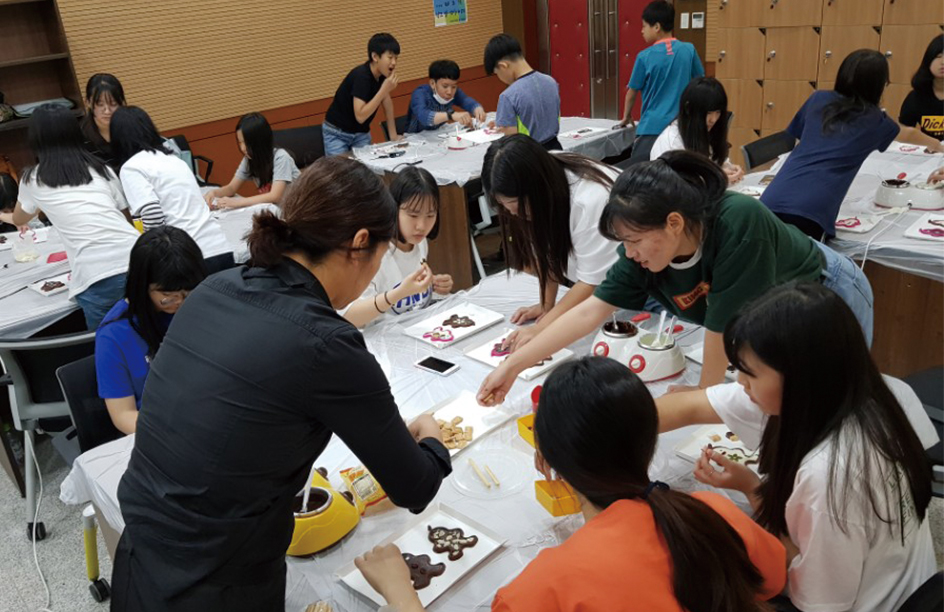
[
  {"x": 283, "y": 169},
  {"x": 96, "y": 235},
  {"x": 669, "y": 140},
  {"x": 155, "y": 177},
  {"x": 394, "y": 267},
  {"x": 593, "y": 254},
  {"x": 867, "y": 568}
]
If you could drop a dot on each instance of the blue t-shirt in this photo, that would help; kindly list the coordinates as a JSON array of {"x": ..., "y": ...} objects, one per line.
[
  {"x": 815, "y": 178},
  {"x": 423, "y": 106},
  {"x": 661, "y": 73},
  {"x": 532, "y": 104},
  {"x": 121, "y": 361}
]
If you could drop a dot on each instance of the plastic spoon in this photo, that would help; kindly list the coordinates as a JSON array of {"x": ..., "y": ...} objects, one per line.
[
  {"x": 311, "y": 475},
  {"x": 659, "y": 335}
]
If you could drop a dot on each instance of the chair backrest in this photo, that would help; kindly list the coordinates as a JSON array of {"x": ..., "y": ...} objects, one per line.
[
  {"x": 89, "y": 415},
  {"x": 928, "y": 598},
  {"x": 400, "y": 122},
  {"x": 767, "y": 148},
  {"x": 304, "y": 144}
]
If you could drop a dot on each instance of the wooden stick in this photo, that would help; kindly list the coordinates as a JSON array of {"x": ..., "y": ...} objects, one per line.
[
  {"x": 480, "y": 475},
  {"x": 492, "y": 475}
]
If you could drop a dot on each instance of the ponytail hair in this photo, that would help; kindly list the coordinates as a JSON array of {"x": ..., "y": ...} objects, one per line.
[
  {"x": 329, "y": 202},
  {"x": 597, "y": 426},
  {"x": 860, "y": 82},
  {"x": 678, "y": 181}
]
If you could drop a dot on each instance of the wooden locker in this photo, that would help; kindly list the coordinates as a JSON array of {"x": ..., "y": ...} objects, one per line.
[
  {"x": 904, "y": 46},
  {"x": 745, "y": 100},
  {"x": 893, "y": 97},
  {"x": 825, "y": 85},
  {"x": 911, "y": 12},
  {"x": 791, "y": 54},
  {"x": 736, "y": 13},
  {"x": 741, "y": 54},
  {"x": 852, "y": 12},
  {"x": 738, "y": 137},
  {"x": 780, "y": 13},
  {"x": 782, "y": 99},
  {"x": 836, "y": 42}
]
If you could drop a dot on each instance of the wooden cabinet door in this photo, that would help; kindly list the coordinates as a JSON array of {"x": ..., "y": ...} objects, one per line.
[
  {"x": 911, "y": 12},
  {"x": 791, "y": 54},
  {"x": 738, "y": 137},
  {"x": 782, "y": 99},
  {"x": 892, "y": 98},
  {"x": 736, "y": 13},
  {"x": 904, "y": 46},
  {"x": 836, "y": 42},
  {"x": 740, "y": 54},
  {"x": 745, "y": 100},
  {"x": 852, "y": 12},
  {"x": 780, "y": 13}
]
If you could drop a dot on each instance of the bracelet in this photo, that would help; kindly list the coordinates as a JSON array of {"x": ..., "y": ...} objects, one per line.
[
  {"x": 387, "y": 300},
  {"x": 376, "y": 306}
]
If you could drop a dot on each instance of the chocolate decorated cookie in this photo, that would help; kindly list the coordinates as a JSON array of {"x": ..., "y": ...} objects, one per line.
[
  {"x": 422, "y": 569},
  {"x": 452, "y": 541},
  {"x": 457, "y": 321},
  {"x": 50, "y": 285}
]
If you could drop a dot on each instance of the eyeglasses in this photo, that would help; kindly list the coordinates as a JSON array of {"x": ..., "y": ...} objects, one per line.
[{"x": 174, "y": 300}]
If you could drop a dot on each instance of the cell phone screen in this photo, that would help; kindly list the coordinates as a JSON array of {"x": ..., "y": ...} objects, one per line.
[{"x": 437, "y": 365}]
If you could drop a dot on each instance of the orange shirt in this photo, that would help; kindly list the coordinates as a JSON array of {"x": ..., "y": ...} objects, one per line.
[{"x": 617, "y": 562}]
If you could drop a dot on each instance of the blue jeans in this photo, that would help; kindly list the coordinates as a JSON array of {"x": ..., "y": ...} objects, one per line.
[
  {"x": 843, "y": 276},
  {"x": 338, "y": 142},
  {"x": 98, "y": 299}
]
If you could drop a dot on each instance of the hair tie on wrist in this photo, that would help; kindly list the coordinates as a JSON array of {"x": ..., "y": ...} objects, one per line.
[
  {"x": 655, "y": 484},
  {"x": 387, "y": 300},
  {"x": 376, "y": 306}
]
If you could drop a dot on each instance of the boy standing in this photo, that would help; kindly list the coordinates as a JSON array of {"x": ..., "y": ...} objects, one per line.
[
  {"x": 531, "y": 104},
  {"x": 361, "y": 93},
  {"x": 661, "y": 72},
  {"x": 432, "y": 105}
]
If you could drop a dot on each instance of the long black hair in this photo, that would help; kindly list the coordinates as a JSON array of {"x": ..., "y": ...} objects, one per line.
[
  {"x": 832, "y": 390},
  {"x": 257, "y": 134},
  {"x": 679, "y": 181},
  {"x": 9, "y": 191},
  {"x": 412, "y": 189},
  {"x": 701, "y": 96},
  {"x": 132, "y": 131},
  {"x": 860, "y": 82},
  {"x": 597, "y": 426},
  {"x": 99, "y": 86},
  {"x": 61, "y": 157},
  {"x": 168, "y": 259},
  {"x": 923, "y": 80},
  {"x": 538, "y": 238}
]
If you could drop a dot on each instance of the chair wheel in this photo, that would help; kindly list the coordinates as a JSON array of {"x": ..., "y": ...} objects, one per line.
[
  {"x": 100, "y": 590},
  {"x": 40, "y": 531}
]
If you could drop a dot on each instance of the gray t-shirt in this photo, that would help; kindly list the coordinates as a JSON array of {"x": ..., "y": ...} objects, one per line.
[
  {"x": 532, "y": 104},
  {"x": 283, "y": 168}
]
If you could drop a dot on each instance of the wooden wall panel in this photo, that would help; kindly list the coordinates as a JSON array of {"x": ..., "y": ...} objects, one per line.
[{"x": 189, "y": 63}]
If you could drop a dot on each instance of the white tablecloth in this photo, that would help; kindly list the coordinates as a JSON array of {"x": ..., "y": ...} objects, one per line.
[
  {"x": 889, "y": 247},
  {"x": 518, "y": 517},
  {"x": 460, "y": 167}
]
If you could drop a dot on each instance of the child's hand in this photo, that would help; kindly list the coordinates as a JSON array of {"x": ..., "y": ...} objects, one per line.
[
  {"x": 937, "y": 176},
  {"x": 442, "y": 283},
  {"x": 225, "y": 203},
  {"x": 390, "y": 83},
  {"x": 734, "y": 173},
  {"x": 735, "y": 476},
  {"x": 479, "y": 114},
  {"x": 519, "y": 338},
  {"x": 418, "y": 281},
  {"x": 425, "y": 426},
  {"x": 527, "y": 313},
  {"x": 209, "y": 196},
  {"x": 387, "y": 572},
  {"x": 462, "y": 117},
  {"x": 624, "y": 122}
]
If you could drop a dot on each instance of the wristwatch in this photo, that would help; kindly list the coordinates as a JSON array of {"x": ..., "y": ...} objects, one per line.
[{"x": 449, "y": 114}]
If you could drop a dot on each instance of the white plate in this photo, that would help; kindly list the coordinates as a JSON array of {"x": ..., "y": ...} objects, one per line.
[
  {"x": 924, "y": 223},
  {"x": 483, "y": 354},
  {"x": 718, "y": 436},
  {"x": 65, "y": 279},
  {"x": 480, "y": 418},
  {"x": 857, "y": 223},
  {"x": 414, "y": 540},
  {"x": 482, "y": 317},
  {"x": 696, "y": 353},
  {"x": 584, "y": 132},
  {"x": 512, "y": 469}
]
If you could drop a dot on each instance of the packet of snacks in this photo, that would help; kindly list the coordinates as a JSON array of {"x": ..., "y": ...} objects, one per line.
[{"x": 362, "y": 485}]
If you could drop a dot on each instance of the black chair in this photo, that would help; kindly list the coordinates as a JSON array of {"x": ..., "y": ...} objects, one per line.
[
  {"x": 766, "y": 149},
  {"x": 89, "y": 415},
  {"x": 202, "y": 179},
  {"x": 304, "y": 144},
  {"x": 928, "y": 598},
  {"x": 928, "y": 385},
  {"x": 401, "y": 123}
]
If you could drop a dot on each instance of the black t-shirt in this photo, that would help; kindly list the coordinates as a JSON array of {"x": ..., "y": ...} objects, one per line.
[
  {"x": 359, "y": 83},
  {"x": 922, "y": 109}
]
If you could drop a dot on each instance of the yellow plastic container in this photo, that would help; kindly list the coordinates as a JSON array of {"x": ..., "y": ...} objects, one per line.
[
  {"x": 526, "y": 428},
  {"x": 556, "y": 497},
  {"x": 330, "y": 517}
]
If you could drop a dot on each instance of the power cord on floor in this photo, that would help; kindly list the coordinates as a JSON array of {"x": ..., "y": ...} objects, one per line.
[{"x": 39, "y": 502}]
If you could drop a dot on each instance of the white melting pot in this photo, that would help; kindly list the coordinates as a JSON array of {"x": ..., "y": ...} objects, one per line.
[{"x": 640, "y": 352}]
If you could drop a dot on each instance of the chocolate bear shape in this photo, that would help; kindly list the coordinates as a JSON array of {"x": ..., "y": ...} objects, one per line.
[
  {"x": 457, "y": 321},
  {"x": 452, "y": 541},
  {"x": 422, "y": 569}
]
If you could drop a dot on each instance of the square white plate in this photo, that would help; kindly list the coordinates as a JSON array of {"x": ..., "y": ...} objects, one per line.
[
  {"x": 481, "y": 419},
  {"x": 483, "y": 354},
  {"x": 857, "y": 223},
  {"x": 924, "y": 223},
  {"x": 696, "y": 353},
  {"x": 65, "y": 279},
  {"x": 719, "y": 437},
  {"x": 483, "y": 318},
  {"x": 414, "y": 540}
]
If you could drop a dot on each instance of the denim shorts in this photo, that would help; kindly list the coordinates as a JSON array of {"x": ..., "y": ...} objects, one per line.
[
  {"x": 843, "y": 276},
  {"x": 338, "y": 142},
  {"x": 98, "y": 299}
]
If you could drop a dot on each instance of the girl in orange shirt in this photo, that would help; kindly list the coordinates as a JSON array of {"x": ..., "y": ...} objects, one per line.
[{"x": 643, "y": 546}]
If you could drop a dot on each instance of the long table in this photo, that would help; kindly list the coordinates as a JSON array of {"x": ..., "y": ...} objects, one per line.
[
  {"x": 518, "y": 517},
  {"x": 457, "y": 173}
]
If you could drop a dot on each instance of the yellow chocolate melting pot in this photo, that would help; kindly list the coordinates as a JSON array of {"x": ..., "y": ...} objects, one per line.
[{"x": 329, "y": 517}]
